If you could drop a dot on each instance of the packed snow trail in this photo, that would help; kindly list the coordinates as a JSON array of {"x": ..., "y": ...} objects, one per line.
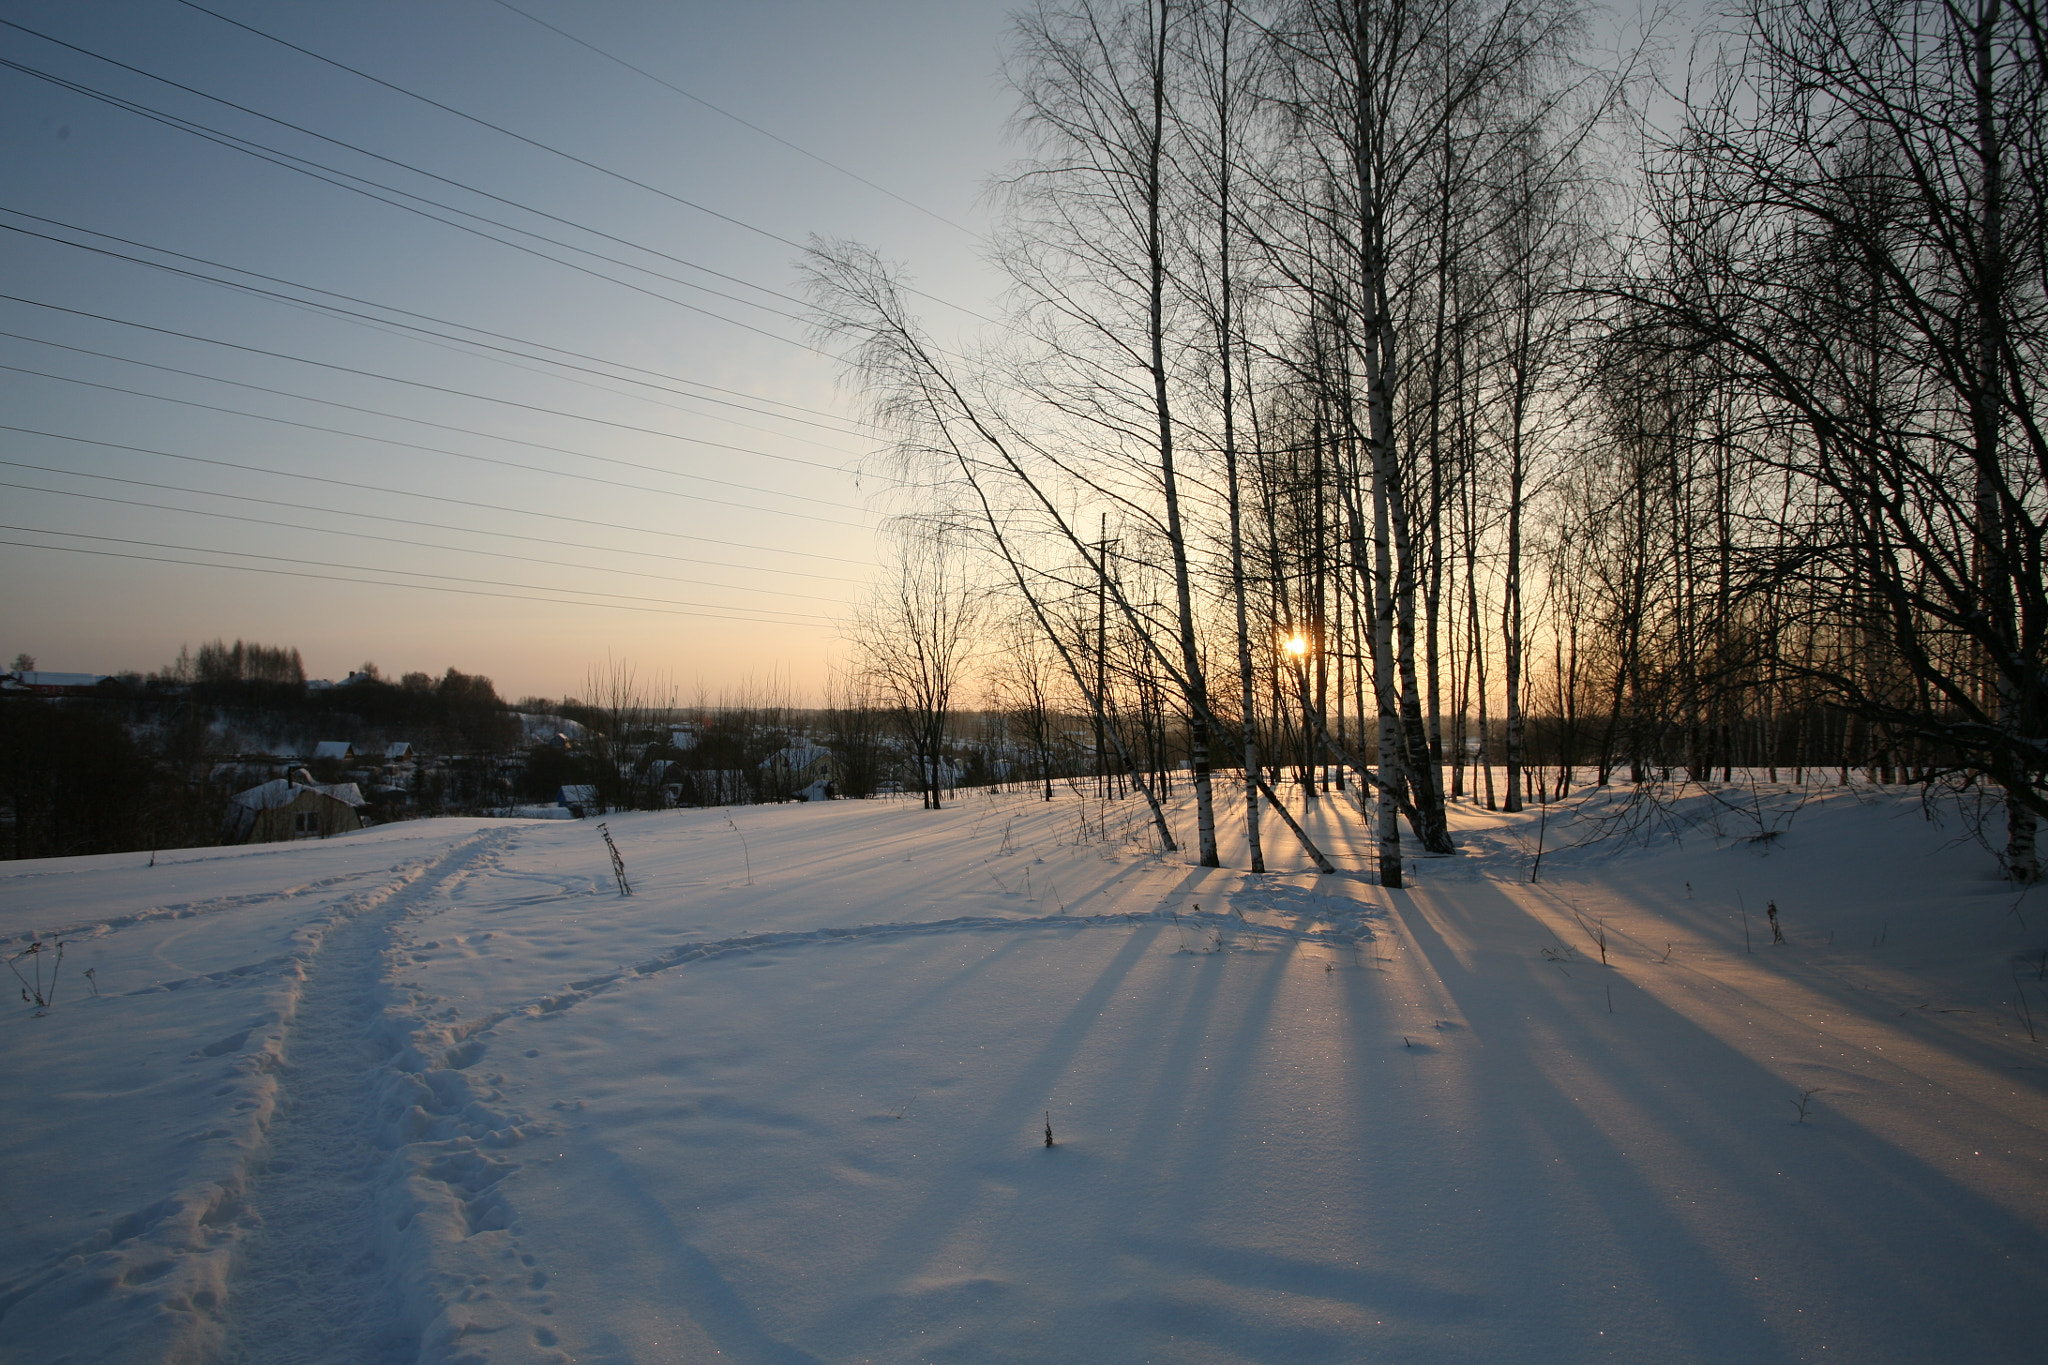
[
  {"x": 319, "y": 1281},
  {"x": 139, "y": 1105},
  {"x": 312, "y": 1282}
]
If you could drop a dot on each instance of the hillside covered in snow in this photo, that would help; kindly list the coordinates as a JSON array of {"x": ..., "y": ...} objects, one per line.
[{"x": 437, "y": 1091}]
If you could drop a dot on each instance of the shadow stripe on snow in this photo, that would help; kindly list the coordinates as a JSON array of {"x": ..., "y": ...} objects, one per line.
[{"x": 685, "y": 953}]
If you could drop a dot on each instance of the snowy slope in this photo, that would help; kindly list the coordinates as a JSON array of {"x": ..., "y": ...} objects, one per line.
[{"x": 437, "y": 1092}]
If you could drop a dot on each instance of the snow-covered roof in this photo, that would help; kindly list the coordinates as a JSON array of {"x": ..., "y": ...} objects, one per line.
[
  {"x": 398, "y": 748},
  {"x": 334, "y": 748},
  {"x": 272, "y": 794},
  {"x": 278, "y": 793},
  {"x": 35, "y": 681},
  {"x": 282, "y": 791},
  {"x": 539, "y": 729}
]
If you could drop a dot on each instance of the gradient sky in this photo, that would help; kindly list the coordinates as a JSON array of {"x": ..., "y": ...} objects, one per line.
[{"x": 728, "y": 539}]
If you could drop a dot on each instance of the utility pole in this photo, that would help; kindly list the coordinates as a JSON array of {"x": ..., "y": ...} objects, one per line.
[{"x": 1101, "y": 657}]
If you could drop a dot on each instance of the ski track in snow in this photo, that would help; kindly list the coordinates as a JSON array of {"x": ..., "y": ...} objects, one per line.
[
  {"x": 311, "y": 1275},
  {"x": 316, "y": 1280},
  {"x": 192, "y": 909},
  {"x": 170, "y": 1273}
]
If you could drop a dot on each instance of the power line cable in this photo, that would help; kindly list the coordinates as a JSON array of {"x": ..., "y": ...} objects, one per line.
[
  {"x": 416, "y": 587},
  {"x": 355, "y": 407},
  {"x": 534, "y": 143},
  {"x": 434, "y": 450},
  {"x": 292, "y": 161},
  {"x": 274, "y": 524},
  {"x": 179, "y": 120},
  {"x": 428, "y": 525},
  {"x": 502, "y": 131},
  {"x": 426, "y": 317},
  {"x": 797, "y": 616},
  {"x": 431, "y": 497},
  {"x": 327, "y": 175},
  {"x": 727, "y": 113},
  {"x": 420, "y": 384}
]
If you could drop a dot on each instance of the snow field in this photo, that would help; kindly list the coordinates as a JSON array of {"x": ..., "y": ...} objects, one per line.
[{"x": 436, "y": 1092}]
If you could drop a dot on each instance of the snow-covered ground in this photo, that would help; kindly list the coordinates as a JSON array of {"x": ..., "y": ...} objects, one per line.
[{"x": 436, "y": 1091}]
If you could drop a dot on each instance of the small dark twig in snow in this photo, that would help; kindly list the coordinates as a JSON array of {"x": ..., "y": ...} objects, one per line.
[
  {"x": 1805, "y": 1099},
  {"x": 41, "y": 999},
  {"x": 747, "y": 853},
  {"x": 618, "y": 863},
  {"x": 1599, "y": 938},
  {"x": 1048, "y": 1127}
]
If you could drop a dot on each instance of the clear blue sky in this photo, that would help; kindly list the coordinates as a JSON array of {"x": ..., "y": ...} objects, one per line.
[{"x": 618, "y": 496}]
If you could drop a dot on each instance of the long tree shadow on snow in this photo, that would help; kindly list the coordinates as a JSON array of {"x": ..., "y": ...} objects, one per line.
[{"x": 1652, "y": 1154}]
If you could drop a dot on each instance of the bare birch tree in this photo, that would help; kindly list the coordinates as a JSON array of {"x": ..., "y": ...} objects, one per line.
[{"x": 915, "y": 637}]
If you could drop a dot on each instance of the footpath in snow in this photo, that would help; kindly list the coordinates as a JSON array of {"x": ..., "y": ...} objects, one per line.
[{"x": 437, "y": 1092}]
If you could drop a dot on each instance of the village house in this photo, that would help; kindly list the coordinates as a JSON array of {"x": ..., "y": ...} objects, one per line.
[
  {"x": 808, "y": 772},
  {"x": 42, "y": 684},
  {"x": 283, "y": 809}
]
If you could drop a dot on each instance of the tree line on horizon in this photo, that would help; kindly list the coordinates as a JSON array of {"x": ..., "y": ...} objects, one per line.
[{"x": 149, "y": 761}]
